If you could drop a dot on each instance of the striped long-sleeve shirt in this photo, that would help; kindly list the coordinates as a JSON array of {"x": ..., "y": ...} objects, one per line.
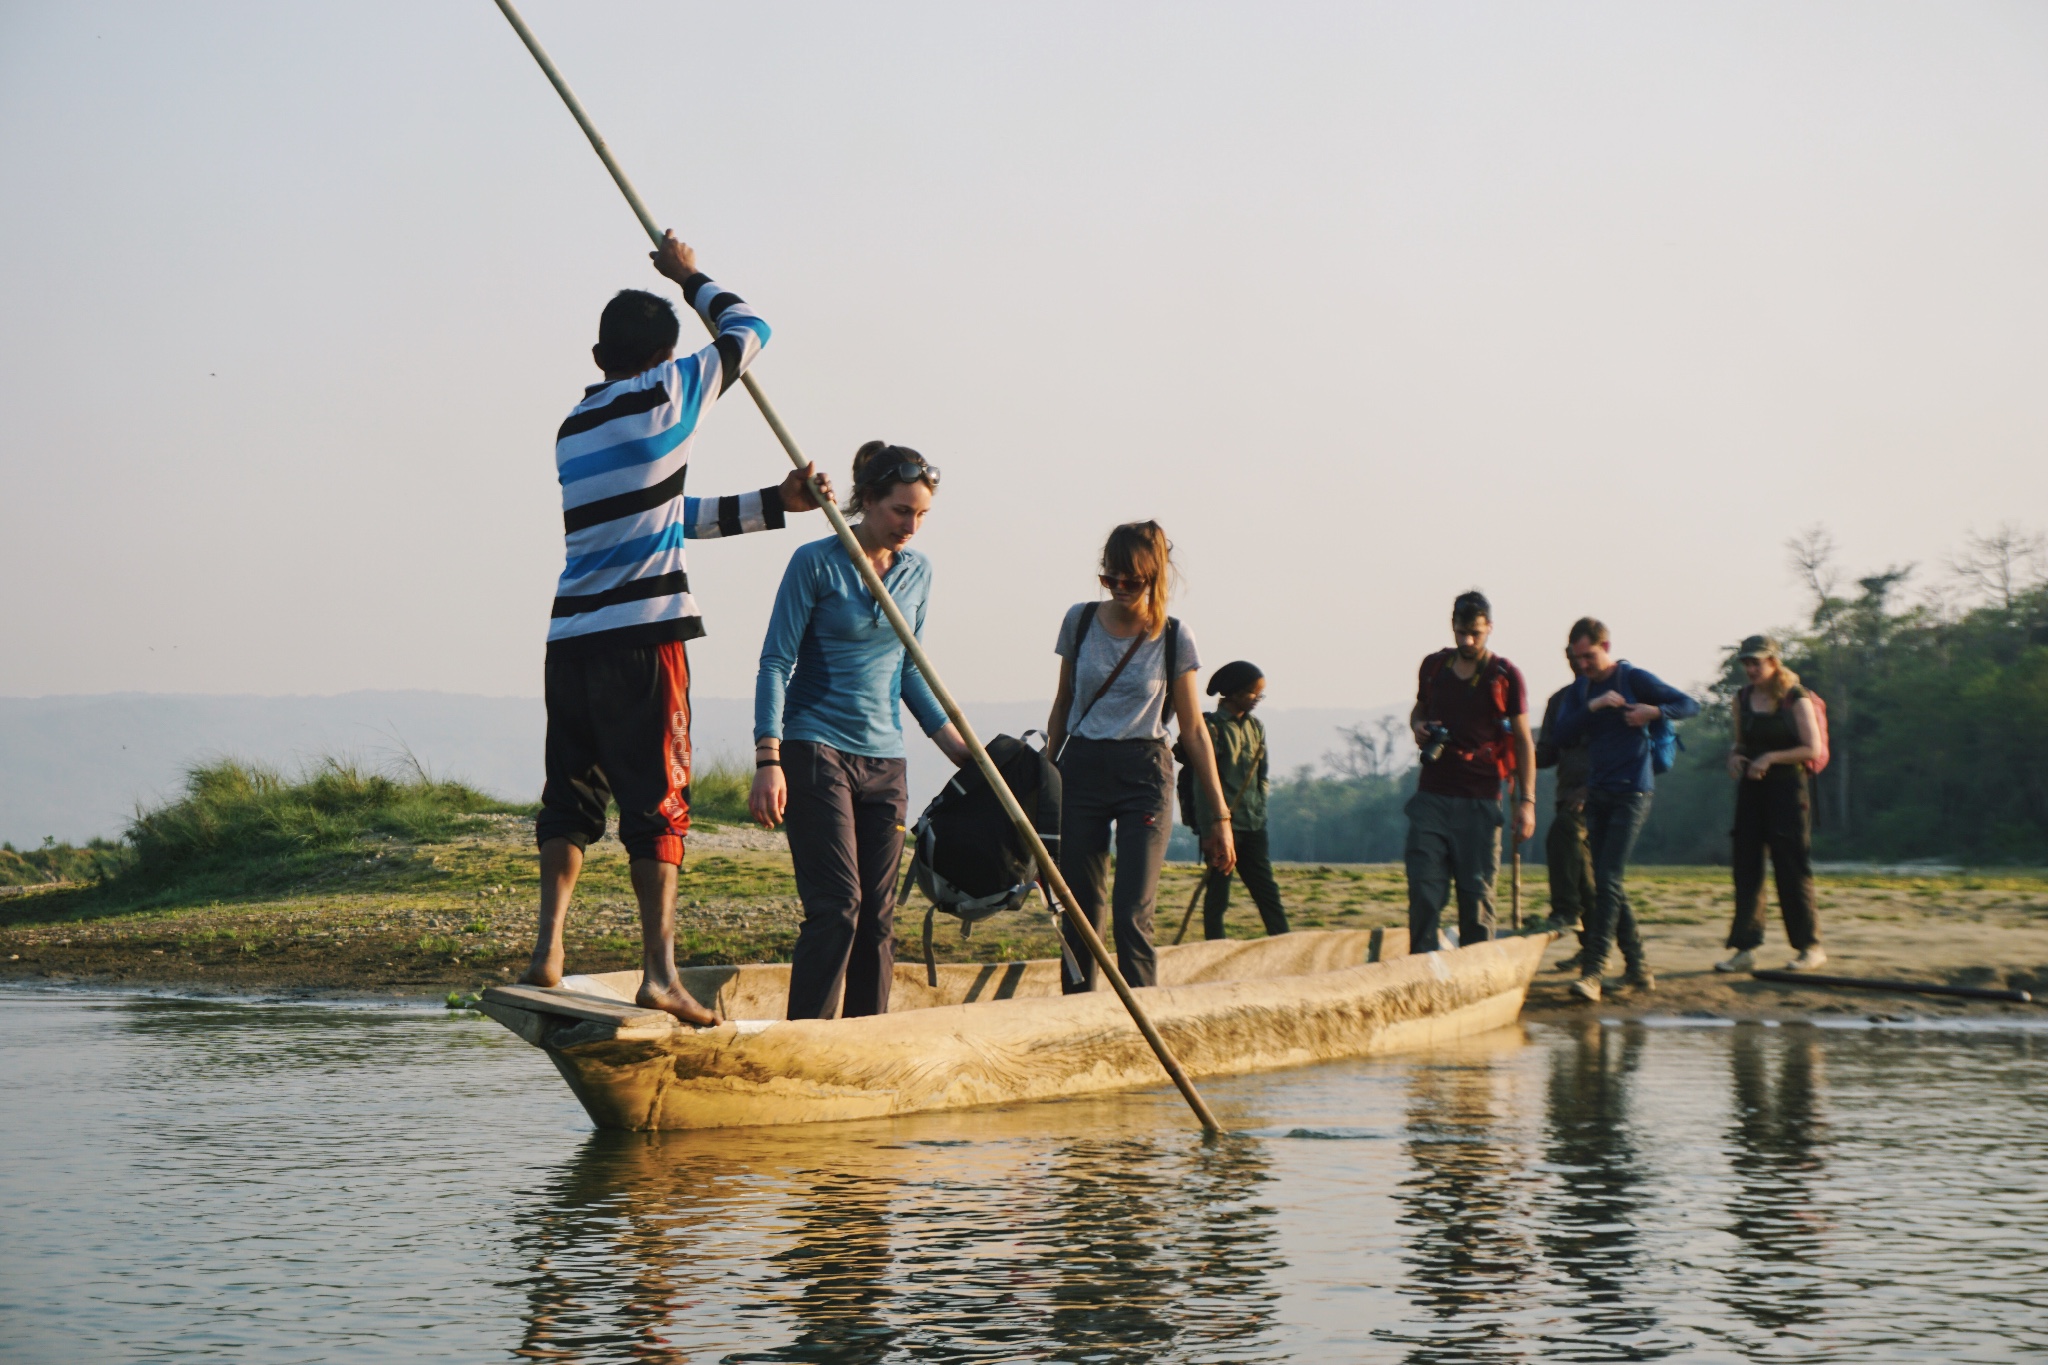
[{"x": 621, "y": 457}]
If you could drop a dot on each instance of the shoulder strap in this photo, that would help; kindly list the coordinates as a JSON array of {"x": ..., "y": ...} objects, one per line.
[{"x": 1172, "y": 653}]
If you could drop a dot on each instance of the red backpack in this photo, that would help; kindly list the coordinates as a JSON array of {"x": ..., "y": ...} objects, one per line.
[
  {"x": 1502, "y": 748},
  {"x": 1818, "y": 764}
]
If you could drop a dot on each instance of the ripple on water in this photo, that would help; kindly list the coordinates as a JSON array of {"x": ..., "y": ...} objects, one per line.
[{"x": 289, "y": 1182}]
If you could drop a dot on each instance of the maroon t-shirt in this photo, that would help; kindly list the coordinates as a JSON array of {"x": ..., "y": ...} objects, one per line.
[{"x": 1476, "y": 710}]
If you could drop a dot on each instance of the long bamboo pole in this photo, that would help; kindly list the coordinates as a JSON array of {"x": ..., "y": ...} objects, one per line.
[{"x": 1047, "y": 867}]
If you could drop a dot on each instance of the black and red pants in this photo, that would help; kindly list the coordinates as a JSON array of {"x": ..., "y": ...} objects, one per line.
[{"x": 619, "y": 730}]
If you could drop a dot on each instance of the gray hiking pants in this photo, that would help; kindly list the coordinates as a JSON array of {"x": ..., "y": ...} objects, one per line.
[
  {"x": 1128, "y": 782},
  {"x": 1451, "y": 839}
]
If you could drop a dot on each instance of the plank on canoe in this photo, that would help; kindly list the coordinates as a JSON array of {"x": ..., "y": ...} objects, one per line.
[{"x": 578, "y": 1005}]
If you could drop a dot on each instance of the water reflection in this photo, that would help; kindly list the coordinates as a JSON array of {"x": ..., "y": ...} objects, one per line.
[
  {"x": 863, "y": 1243},
  {"x": 1590, "y": 1234},
  {"x": 1776, "y": 1141},
  {"x": 1467, "y": 1246},
  {"x": 299, "y": 1183},
  {"x": 1158, "y": 1244}
]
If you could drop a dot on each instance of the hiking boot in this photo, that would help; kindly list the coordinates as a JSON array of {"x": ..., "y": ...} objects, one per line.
[
  {"x": 1743, "y": 961},
  {"x": 1587, "y": 988},
  {"x": 1638, "y": 978},
  {"x": 1571, "y": 964},
  {"x": 1808, "y": 959}
]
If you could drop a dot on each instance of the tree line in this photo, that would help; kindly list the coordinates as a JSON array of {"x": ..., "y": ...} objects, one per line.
[{"x": 1937, "y": 701}]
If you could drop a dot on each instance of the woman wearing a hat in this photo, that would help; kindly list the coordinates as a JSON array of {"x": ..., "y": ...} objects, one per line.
[
  {"x": 1776, "y": 733},
  {"x": 1242, "y": 766}
]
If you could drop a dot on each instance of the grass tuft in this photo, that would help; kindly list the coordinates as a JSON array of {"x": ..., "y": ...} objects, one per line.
[
  {"x": 56, "y": 864},
  {"x": 241, "y": 810},
  {"x": 718, "y": 793}
]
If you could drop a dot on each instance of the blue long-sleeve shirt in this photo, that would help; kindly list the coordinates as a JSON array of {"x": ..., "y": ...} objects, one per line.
[
  {"x": 1617, "y": 753},
  {"x": 832, "y": 669}
]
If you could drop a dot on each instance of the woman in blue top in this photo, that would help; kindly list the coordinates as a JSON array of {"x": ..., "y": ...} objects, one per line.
[{"x": 828, "y": 734}]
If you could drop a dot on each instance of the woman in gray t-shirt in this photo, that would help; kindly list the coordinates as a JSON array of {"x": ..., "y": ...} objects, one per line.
[{"x": 1125, "y": 665}]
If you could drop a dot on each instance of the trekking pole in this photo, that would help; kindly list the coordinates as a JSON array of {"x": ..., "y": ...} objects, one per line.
[
  {"x": 1515, "y": 889},
  {"x": 1049, "y": 869},
  {"x": 1201, "y": 884}
]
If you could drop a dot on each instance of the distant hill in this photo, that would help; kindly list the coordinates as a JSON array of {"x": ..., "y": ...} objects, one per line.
[{"x": 74, "y": 767}]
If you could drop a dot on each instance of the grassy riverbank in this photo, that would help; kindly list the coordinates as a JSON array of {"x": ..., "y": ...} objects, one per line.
[{"x": 340, "y": 881}]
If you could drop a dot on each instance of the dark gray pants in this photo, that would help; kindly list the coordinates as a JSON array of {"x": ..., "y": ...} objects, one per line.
[
  {"x": 1613, "y": 820},
  {"x": 1255, "y": 865},
  {"x": 1568, "y": 858},
  {"x": 1128, "y": 782},
  {"x": 1774, "y": 813},
  {"x": 845, "y": 822},
  {"x": 1451, "y": 839}
]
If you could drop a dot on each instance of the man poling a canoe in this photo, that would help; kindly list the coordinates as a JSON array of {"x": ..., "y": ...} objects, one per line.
[
  {"x": 618, "y": 678},
  {"x": 821, "y": 495}
]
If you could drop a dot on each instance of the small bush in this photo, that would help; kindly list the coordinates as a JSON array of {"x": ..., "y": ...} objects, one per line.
[
  {"x": 235, "y": 811},
  {"x": 57, "y": 863},
  {"x": 719, "y": 791}
]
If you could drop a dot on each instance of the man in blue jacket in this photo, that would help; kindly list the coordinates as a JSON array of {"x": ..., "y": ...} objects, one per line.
[{"x": 1610, "y": 710}]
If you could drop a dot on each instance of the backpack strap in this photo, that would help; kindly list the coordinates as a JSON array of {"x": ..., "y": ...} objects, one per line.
[
  {"x": 1435, "y": 664},
  {"x": 931, "y": 960},
  {"x": 1172, "y": 653}
]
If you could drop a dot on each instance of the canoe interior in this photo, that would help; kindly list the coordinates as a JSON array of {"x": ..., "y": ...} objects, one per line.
[
  {"x": 1000, "y": 1033},
  {"x": 761, "y": 990}
]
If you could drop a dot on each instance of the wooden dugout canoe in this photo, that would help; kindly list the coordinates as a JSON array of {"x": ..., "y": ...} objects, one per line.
[{"x": 998, "y": 1033}]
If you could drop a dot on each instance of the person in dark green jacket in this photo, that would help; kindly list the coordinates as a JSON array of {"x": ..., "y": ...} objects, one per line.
[{"x": 1242, "y": 765}]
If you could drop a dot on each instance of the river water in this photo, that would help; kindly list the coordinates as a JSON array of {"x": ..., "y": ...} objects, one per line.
[{"x": 191, "y": 1180}]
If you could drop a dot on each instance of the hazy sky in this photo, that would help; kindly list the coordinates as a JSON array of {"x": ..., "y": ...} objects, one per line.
[{"x": 1591, "y": 306}]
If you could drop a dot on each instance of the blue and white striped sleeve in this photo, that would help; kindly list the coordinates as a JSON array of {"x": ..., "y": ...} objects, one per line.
[
  {"x": 733, "y": 515},
  {"x": 740, "y": 332}
]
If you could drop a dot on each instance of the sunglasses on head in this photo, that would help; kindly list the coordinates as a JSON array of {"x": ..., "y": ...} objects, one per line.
[
  {"x": 1117, "y": 582},
  {"x": 903, "y": 471}
]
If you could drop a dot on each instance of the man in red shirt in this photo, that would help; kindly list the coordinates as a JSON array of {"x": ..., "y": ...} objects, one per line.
[{"x": 1471, "y": 721}]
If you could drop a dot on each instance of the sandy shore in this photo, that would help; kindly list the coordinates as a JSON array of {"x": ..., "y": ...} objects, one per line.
[
  {"x": 462, "y": 917},
  {"x": 2003, "y": 948}
]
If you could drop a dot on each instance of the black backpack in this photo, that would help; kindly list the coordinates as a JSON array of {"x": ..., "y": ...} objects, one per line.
[{"x": 966, "y": 856}]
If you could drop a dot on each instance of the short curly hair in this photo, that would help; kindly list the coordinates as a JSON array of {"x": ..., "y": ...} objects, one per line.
[{"x": 634, "y": 329}]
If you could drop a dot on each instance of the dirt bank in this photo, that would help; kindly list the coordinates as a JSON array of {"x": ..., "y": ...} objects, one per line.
[{"x": 459, "y": 915}]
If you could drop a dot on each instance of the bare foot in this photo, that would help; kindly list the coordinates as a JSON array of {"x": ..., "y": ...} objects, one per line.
[
  {"x": 544, "y": 970},
  {"x": 677, "y": 1001}
]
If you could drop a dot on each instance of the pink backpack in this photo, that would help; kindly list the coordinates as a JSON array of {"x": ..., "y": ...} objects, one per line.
[{"x": 1819, "y": 762}]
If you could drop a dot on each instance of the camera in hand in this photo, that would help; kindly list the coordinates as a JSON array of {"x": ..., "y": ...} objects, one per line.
[{"x": 1439, "y": 736}]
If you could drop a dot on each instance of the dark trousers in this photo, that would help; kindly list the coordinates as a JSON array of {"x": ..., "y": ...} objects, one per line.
[
  {"x": 845, "y": 822},
  {"x": 1613, "y": 820},
  {"x": 1451, "y": 839},
  {"x": 1255, "y": 865},
  {"x": 1128, "y": 783},
  {"x": 1774, "y": 813},
  {"x": 1568, "y": 858},
  {"x": 618, "y": 730}
]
